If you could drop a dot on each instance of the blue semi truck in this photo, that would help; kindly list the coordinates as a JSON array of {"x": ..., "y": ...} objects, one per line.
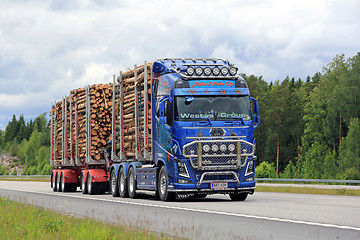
[{"x": 180, "y": 128}]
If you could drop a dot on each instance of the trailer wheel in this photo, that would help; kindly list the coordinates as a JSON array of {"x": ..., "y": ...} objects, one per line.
[
  {"x": 62, "y": 183},
  {"x": 163, "y": 183},
  {"x": 132, "y": 183},
  {"x": 114, "y": 184},
  {"x": 238, "y": 196},
  {"x": 91, "y": 186},
  {"x": 58, "y": 183},
  {"x": 54, "y": 180},
  {"x": 83, "y": 184}
]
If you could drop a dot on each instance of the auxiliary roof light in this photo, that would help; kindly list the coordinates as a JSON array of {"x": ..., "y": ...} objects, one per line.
[
  {"x": 190, "y": 71},
  {"x": 207, "y": 71},
  {"x": 224, "y": 71},
  {"x": 216, "y": 71},
  {"x": 199, "y": 70},
  {"x": 233, "y": 71}
]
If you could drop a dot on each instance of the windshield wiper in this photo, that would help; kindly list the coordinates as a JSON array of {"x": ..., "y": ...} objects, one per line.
[{"x": 207, "y": 119}]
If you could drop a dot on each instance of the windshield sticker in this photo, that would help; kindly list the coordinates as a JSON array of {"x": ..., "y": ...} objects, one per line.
[
  {"x": 212, "y": 84},
  {"x": 212, "y": 115}
]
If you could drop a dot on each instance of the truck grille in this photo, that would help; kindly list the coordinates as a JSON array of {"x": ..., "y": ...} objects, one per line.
[{"x": 218, "y": 154}]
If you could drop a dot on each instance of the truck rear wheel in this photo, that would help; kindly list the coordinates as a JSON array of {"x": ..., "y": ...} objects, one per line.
[
  {"x": 114, "y": 184},
  {"x": 122, "y": 184},
  {"x": 163, "y": 183},
  {"x": 83, "y": 184},
  {"x": 132, "y": 183},
  {"x": 238, "y": 196}
]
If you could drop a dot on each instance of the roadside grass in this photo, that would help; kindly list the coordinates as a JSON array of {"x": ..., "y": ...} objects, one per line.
[
  {"x": 309, "y": 190},
  {"x": 23, "y": 221}
]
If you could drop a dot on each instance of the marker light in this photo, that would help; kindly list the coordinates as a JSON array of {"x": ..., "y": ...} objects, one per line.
[
  {"x": 198, "y": 70},
  {"x": 190, "y": 71},
  {"x": 233, "y": 71},
  {"x": 216, "y": 71},
  {"x": 224, "y": 71},
  {"x": 207, "y": 71}
]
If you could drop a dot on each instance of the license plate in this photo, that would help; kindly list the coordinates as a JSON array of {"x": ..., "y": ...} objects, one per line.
[{"x": 217, "y": 185}]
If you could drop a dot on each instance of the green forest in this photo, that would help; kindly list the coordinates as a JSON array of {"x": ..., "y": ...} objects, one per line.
[{"x": 309, "y": 128}]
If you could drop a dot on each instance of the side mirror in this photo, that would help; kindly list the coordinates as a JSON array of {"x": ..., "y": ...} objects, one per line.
[{"x": 256, "y": 112}]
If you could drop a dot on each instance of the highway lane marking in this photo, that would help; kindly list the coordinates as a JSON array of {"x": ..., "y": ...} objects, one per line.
[{"x": 196, "y": 210}]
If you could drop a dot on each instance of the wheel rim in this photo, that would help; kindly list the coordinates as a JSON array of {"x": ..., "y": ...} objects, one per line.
[{"x": 162, "y": 184}]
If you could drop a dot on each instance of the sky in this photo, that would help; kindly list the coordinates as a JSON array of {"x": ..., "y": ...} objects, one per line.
[{"x": 48, "y": 48}]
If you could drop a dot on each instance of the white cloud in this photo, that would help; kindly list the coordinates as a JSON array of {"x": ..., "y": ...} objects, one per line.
[{"x": 50, "y": 47}]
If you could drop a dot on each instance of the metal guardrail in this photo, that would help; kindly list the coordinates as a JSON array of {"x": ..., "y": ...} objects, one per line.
[
  {"x": 24, "y": 176},
  {"x": 330, "y": 181}
]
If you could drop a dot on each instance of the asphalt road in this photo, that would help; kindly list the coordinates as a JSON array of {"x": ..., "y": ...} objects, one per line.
[{"x": 261, "y": 216}]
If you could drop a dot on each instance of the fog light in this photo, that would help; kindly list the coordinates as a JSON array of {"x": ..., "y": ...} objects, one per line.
[
  {"x": 231, "y": 147},
  {"x": 190, "y": 71},
  {"x": 214, "y": 148},
  {"x": 223, "y": 147},
  {"x": 206, "y": 148},
  {"x": 224, "y": 71}
]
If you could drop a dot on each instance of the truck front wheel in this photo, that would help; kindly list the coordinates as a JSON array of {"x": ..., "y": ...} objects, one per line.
[
  {"x": 132, "y": 183},
  {"x": 163, "y": 183},
  {"x": 238, "y": 196}
]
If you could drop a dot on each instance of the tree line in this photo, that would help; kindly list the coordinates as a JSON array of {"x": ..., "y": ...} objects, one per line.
[
  {"x": 29, "y": 142},
  {"x": 310, "y": 129}
]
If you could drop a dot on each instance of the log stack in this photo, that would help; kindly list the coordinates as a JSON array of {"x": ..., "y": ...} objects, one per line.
[
  {"x": 128, "y": 103},
  {"x": 100, "y": 112}
]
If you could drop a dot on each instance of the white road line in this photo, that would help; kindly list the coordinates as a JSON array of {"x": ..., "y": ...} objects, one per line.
[{"x": 196, "y": 210}]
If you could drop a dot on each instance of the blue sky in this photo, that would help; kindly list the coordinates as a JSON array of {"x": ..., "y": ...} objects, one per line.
[{"x": 48, "y": 48}]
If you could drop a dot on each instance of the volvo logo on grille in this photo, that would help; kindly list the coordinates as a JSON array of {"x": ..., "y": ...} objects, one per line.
[{"x": 217, "y": 132}]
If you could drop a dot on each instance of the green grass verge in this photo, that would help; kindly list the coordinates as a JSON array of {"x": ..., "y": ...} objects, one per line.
[
  {"x": 22, "y": 221},
  {"x": 309, "y": 190}
]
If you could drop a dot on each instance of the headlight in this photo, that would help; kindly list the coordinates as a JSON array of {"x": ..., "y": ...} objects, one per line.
[
  {"x": 190, "y": 71},
  {"x": 216, "y": 71},
  {"x": 223, "y": 147},
  {"x": 233, "y": 71},
  {"x": 224, "y": 71},
  {"x": 199, "y": 70},
  {"x": 207, "y": 71},
  {"x": 214, "y": 148},
  {"x": 182, "y": 169},
  {"x": 206, "y": 148},
  {"x": 231, "y": 147}
]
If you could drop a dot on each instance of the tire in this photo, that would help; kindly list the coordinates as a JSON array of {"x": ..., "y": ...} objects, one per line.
[
  {"x": 62, "y": 183},
  {"x": 83, "y": 184},
  {"x": 131, "y": 183},
  {"x": 238, "y": 196},
  {"x": 123, "y": 192},
  {"x": 54, "y": 184},
  {"x": 91, "y": 186},
  {"x": 163, "y": 183},
  {"x": 58, "y": 183},
  {"x": 114, "y": 184}
]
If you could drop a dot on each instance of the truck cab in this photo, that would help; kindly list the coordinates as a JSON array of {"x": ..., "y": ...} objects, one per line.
[{"x": 203, "y": 129}]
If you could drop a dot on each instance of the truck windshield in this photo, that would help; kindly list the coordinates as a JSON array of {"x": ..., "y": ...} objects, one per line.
[{"x": 215, "y": 108}]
